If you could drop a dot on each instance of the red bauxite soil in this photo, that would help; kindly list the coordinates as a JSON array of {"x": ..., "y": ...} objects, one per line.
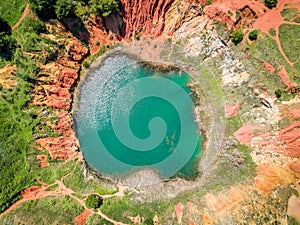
[
  {"x": 231, "y": 111},
  {"x": 81, "y": 219},
  {"x": 245, "y": 134},
  {"x": 146, "y": 16}
]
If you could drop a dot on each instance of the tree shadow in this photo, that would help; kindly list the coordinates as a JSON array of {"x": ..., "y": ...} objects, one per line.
[
  {"x": 115, "y": 24},
  {"x": 76, "y": 26},
  {"x": 4, "y": 26}
]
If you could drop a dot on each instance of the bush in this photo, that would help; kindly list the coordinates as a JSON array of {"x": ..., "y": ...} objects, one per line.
[
  {"x": 7, "y": 46},
  {"x": 43, "y": 8},
  {"x": 64, "y": 9},
  {"x": 4, "y": 26},
  {"x": 253, "y": 35},
  {"x": 278, "y": 93},
  {"x": 104, "y": 7},
  {"x": 270, "y": 3},
  {"x": 93, "y": 201},
  {"x": 237, "y": 36},
  {"x": 33, "y": 26}
]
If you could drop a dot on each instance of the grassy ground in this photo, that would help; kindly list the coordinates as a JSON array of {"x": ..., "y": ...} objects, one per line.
[
  {"x": 290, "y": 38},
  {"x": 77, "y": 182},
  {"x": 289, "y": 13},
  {"x": 49, "y": 210},
  {"x": 265, "y": 49},
  {"x": 11, "y": 10}
]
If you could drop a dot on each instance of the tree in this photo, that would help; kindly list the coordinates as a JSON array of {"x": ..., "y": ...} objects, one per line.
[
  {"x": 278, "y": 93},
  {"x": 237, "y": 36},
  {"x": 93, "y": 201},
  {"x": 43, "y": 8},
  {"x": 253, "y": 35},
  {"x": 4, "y": 26},
  {"x": 7, "y": 46},
  {"x": 270, "y": 3},
  {"x": 104, "y": 7},
  {"x": 64, "y": 9}
]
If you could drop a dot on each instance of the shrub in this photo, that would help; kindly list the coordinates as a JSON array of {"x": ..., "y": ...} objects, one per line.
[
  {"x": 237, "y": 14},
  {"x": 4, "y": 26},
  {"x": 64, "y": 9},
  {"x": 270, "y": 3},
  {"x": 278, "y": 93},
  {"x": 43, "y": 8},
  {"x": 7, "y": 46},
  {"x": 93, "y": 201},
  {"x": 104, "y": 7},
  {"x": 237, "y": 36},
  {"x": 33, "y": 26},
  {"x": 253, "y": 35}
]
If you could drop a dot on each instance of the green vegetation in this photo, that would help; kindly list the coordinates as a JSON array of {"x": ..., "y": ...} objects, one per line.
[
  {"x": 137, "y": 35},
  {"x": 77, "y": 182},
  {"x": 270, "y": 3},
  {"x": 15, "y": 142},
  {"x": 7, "y": 46},
  {"x": 11, "y": 10},
  {"x": 297, "y": 20},
  {"x": 237, "y": 14},
  {"x": 65, "y": 9},
  {"x": 96, "y": 220},
  {"x": 49, "y": 210},
  {"x": 272, "y": 32},
  {"x": 289, "y": 36},
  {"x": 93, "y": 201},
  {"x": 7, "y": 42},
  {"x": 278, "y": 93},
  {"x": 43, "y": 8},
  {"x": 229, "y": 13},
  {"x": 104, "y": 7},
  {"x": 237, "y": 36},
  {"x": 289, "y": 13},
  {"x": 253, "y": 35}
]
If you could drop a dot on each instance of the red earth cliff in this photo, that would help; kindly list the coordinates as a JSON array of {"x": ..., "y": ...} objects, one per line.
[{"x": 146, "y": 17}]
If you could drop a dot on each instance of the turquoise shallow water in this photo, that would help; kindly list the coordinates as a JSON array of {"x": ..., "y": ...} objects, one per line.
[{"x": 130, "y": 117}]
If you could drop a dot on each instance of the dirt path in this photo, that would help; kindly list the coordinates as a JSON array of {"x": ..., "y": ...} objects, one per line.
[
  {"x": 25, "y": 13},
  {"x": 38, "y": 192}
]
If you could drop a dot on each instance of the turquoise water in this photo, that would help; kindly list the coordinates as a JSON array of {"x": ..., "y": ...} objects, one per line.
[{"x": 131, "y": 117}]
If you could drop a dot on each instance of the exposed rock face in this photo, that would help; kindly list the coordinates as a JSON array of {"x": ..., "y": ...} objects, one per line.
[
  {"x": 55, "y": 83},
  {"x": 145, "y": 16},
  {"x": 98, "y": 34},
  {"x": 245, "y": 134}
]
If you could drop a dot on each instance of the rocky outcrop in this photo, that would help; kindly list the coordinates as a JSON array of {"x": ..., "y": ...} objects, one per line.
[
  {"x": 146, "y": 17},
  {"x": 101, "y": 32},
  {"x": 53, "y": 90}
]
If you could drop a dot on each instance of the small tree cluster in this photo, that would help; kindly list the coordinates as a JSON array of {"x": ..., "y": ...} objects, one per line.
[
  {"x": 253, "y": 35},
  {"x": 237, "y": 36},
  {"x": 93, "y": 201},
  {"x": 270, "y": 3},
  {"x": 278, "y": 93},
  {"x": 61, "y": 9},
  {"x": 7, "y": 43},
  {"x": 104, "y": 7},
  {"x": 65, "y": 9}
]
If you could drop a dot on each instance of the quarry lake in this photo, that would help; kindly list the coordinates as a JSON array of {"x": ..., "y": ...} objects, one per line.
[{"x": 129, "y": 116}]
